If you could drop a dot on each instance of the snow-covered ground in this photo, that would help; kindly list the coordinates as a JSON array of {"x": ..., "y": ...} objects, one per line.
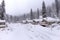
[{"x": 18, "y": 31}]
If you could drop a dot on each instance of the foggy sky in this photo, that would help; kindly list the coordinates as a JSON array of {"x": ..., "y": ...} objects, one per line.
[{"x": 19, "y": 7}]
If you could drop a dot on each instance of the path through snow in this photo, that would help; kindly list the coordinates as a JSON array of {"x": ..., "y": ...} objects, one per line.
[{"x": 29, "y": 32}]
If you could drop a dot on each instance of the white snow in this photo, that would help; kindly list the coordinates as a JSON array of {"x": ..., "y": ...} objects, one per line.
[
  {"x": 2, "y": 21},
  {"x": 50, "y": 19},
  {"x": 38, "y": 20},
  {"x": 29, "y": 20},
  {"x": 18, "y": 31}
]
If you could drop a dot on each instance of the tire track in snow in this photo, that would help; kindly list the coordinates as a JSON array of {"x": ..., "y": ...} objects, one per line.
[
  {"x": 42, "y": 35},
  {"x": 29, "y": 34},
  {"x": 48, "y": 32}
]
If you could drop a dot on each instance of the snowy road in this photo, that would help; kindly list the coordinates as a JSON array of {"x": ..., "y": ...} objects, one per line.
[{"x": 29, "y": 32}]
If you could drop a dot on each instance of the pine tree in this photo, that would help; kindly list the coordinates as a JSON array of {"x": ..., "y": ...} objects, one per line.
[
  {"x": 31, "y": 14},
  {"x": 37, "y": 13},
  {"x": 49, "y": 11},
  {"x": 3, "y": 8},
  {"x": 11, "y": 18},
  {"x": 57, "y": 7},
  {"x": 43, "y": 10},
  {"x": 24, "y": 17}
]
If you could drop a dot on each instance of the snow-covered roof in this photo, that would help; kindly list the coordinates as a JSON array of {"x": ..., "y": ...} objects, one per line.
[
  {"x": 37, "y": 19},
  {"x": 50, "y": 19},
  {"x": 2, "y": 21}
]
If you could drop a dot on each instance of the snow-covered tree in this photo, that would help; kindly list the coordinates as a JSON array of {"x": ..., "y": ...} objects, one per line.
[
  {"x": 3, "y": 9},
  {"x": 37, "y": 13},
  {"x": 49, "y": 11},
  {"x": 24, "y": 17},
  {"x": 43, "y": 10},
  {"x": 57, "y": 7},
  {"x": 31, "y": 15}
]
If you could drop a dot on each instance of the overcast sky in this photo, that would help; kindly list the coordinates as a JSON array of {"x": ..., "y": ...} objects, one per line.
[{"x": 18, "y": 7}]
